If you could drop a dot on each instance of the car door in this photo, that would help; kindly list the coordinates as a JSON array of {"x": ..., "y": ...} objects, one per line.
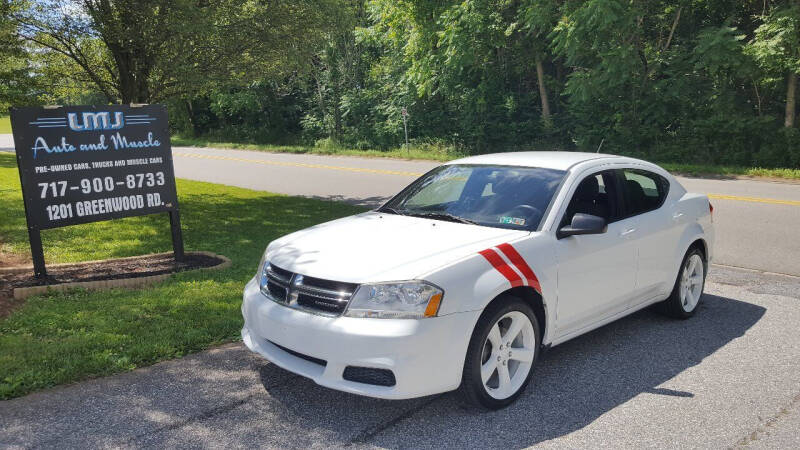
[
  {"x": 644, "y": 193},
  {"x": 596, "y": 273}
]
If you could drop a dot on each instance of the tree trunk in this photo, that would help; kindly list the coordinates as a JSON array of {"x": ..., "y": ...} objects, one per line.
[
  {"x": 543, "y": 91},
  {"x": 337, "y": 112},
  {"x": 128, "y": 87},
  {"x": 791, "y": 100},
  {"x": 192, "y": 119},
  {"x": 672, "y": 30},
  {"x": 133, "y": 75},
  {"x": 320, "y": 97}
]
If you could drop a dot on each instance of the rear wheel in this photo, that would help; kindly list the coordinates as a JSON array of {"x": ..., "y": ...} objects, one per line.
[
  {"x": 688, "y": 289},
  {"x": 501, "y": 354}
]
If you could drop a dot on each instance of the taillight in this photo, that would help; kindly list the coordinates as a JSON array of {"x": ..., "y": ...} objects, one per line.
[{"x": 711, "y": 210}]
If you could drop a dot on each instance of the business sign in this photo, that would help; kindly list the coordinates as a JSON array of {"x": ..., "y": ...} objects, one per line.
[{"x": 81, "y": 164}]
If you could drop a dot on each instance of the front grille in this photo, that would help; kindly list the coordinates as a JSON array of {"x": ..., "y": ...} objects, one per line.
[
  {"x": 278, "y": 282},
  {"x": 277, "y": 292},
  {"x": 323, "y": 304},
  {"x": 368, "y": 375},
  {"x": 306, "y": 293},
  {"x": 284, "y": 274}
]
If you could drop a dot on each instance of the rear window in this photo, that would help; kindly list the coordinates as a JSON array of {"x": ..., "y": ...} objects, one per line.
[{"x": 643, "y": 191}]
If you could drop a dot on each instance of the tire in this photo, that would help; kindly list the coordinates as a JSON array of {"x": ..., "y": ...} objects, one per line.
[
  {"x": 498, "y": 320},
  {"x": 682, "y": 303}
]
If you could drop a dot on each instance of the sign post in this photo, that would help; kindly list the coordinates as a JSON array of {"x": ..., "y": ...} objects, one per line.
[{"x": 81, "y": 164}]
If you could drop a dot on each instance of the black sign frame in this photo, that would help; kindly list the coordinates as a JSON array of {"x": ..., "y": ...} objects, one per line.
[{"x": 83, "y": 164}]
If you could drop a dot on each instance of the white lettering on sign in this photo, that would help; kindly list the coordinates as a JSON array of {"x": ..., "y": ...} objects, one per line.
[
  {"x": 121, "y": 142},
  {"x": 118, "y": 141},
  {"x": 95, "y": 121},
  {"x": 100, "y": 145},
  {"x": 108, "y": 205},
  {"x": 41, "y": 144}
]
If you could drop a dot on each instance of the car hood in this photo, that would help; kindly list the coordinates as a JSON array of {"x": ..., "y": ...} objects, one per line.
[{"x": 374, "y": 246}]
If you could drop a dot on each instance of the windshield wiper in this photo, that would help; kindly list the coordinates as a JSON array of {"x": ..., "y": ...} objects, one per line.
[
  {"x": 391, "y": 210},
  {"x": 443, "y": 216}
]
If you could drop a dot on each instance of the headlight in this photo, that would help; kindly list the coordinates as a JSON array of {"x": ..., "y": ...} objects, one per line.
[
  {"x": 401, "y": 300},
  {"x": 262, "y": 264},
  {"x": 261, "y": 275}
]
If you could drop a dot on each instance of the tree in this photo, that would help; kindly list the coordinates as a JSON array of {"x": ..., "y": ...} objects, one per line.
[
  {"x": 16, "y": 82},
  {"x": 603, "y": 42},
  {"x": 776, "y": 46},
  {"x": 337, "y": 69},
  {"x": 144, "y": 51},
  {"x": 539, "y": 17},
  {"x": 708, "y": 81}
]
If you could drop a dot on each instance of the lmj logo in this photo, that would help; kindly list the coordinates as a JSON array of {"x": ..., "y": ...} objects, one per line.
[{"x": 90, "y": 121}]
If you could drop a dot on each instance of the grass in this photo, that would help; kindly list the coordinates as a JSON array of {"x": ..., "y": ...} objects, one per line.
[
  {"x": 5, "y": 125},
  {"x": 432, "y": 153},
  {"x": 68, "y": 337},
  {"x": 705, "y": 170}
]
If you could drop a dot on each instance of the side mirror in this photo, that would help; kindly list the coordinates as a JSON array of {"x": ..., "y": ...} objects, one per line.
[{"x": 582, "y": 224}]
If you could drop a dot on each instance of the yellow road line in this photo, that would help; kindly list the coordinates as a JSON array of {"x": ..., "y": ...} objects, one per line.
[
  {"x": 416, "y": 174},
  {"x": 292, "y": 164},
  {"x": 754, "y": 199}
]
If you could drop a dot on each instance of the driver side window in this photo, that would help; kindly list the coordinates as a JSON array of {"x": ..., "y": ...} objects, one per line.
[{"x": 596, "y": 195}]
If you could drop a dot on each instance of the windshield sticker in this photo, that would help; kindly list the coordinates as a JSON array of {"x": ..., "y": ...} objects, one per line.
[{"x": 512, "y": 220}]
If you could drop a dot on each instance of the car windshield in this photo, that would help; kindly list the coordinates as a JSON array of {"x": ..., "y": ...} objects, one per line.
[{"x": 495, "y": 196}]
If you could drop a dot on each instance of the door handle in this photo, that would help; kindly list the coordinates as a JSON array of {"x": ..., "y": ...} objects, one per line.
[
  {"x": 627, "y": 232},
  {"x": 677, "y": 215}
]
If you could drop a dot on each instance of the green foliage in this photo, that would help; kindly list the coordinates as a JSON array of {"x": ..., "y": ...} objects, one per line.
[
  {"x": 705, "y": 82},
  {"x": 719, "y": 51},
  {"x": 67, "y": 337},
  {"x": 434, "y": 151},
  {"x": 152, "y": 50},
  {"x": 15, "y": 81},
  {"x": 730, "y": 171},
  {"x": 776, "y": 44}
]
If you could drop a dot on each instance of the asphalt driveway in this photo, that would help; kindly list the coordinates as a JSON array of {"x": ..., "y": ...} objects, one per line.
[{"x": 727, "y": 377}]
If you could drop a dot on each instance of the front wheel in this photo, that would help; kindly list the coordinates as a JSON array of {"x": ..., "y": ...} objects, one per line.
[
  {"x": 682, "y": 302},
  {"x": 501, "y": 354}
]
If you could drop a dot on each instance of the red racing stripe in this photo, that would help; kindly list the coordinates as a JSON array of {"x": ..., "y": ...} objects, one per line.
[
  {"x": 513, "y": 255},
  {"x": 497, "y": 262}
]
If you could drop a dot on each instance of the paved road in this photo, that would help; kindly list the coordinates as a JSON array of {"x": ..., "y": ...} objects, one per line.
[
  {"x": 757, "y": 221},
  {"x": 6, "y": 143},
  {"x": 726, "y": 378}
]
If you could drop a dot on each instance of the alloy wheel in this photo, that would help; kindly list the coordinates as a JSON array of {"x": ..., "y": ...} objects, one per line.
[
  {"x": 691, "y": 282},
  {"x": 508, "y": 354}
]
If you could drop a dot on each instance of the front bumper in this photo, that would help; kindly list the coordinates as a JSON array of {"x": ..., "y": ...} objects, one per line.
[{"x": 425, "y": 355}]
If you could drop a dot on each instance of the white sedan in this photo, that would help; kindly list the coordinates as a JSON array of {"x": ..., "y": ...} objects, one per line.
[{"x": 464, "y": 277}]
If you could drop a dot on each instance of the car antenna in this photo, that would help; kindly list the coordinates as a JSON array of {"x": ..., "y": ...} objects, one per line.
[{"x": 601, "y": 145}]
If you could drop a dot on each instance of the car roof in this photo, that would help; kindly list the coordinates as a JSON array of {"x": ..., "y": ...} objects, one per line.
[{"x": 544, "y": 159}]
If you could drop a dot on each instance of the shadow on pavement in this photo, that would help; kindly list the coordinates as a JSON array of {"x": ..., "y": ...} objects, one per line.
[
  {"x": 228, "y": 397},
  {"x": 573, "y": 385}
]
